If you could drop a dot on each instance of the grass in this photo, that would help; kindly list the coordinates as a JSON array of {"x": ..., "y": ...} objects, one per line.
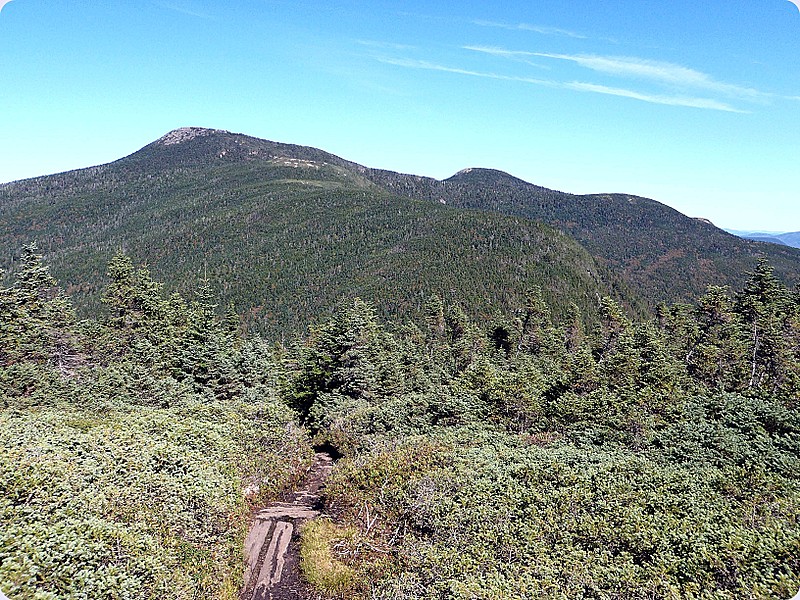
[{"x": 319, "y": 566}]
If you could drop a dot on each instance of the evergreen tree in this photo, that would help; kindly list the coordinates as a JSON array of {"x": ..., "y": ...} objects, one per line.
[
  {"x": 207, "y": 354},
  {"x": 36, "y": 320},
  {"x": 770, "y": 318},
  {"x": 133, "y": 299},
  {"x": 534, "y": 322}
]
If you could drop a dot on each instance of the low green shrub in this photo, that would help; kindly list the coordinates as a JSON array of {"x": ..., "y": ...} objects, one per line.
[{"x": 136, "y": 503}]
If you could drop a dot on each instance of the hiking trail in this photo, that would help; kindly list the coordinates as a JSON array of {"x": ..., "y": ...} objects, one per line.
[{"x": 272, "y": 554}]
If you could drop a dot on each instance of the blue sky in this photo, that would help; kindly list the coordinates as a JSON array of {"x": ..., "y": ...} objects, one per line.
[{"x": 694, "y": 104}]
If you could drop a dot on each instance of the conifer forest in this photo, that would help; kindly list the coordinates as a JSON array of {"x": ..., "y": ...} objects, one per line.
[{"x": 588, "y": 453}]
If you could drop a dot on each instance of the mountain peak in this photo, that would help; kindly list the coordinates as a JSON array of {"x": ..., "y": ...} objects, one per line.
[
  {"x": 184, "y": 134},
  {"x": 201, "y": 146},
  {"x": 481, "y": 171},
  {"x": 480, "y": 175}
]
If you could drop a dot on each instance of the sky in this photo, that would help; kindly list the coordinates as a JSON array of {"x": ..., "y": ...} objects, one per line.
[{"x": 694, "y": 104}]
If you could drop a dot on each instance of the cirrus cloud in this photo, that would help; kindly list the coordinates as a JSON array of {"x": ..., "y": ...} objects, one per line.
[
  {"x": 669, "y": 100},
  {"x": 652, "y": 70},
  {"x": 675, "y": 84},
  {"x": 578, "y": 86},
  {"x": 534, "y": 28}
]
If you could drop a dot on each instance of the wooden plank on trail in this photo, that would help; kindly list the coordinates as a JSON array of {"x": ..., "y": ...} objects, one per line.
[
  {"x": 286, "y": 512},
  {"x": 255, "y": 541},
  {"x": 272, "y": 569}
]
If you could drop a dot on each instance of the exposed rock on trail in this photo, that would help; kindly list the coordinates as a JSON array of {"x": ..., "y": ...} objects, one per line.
[{"x": 271, "y": 548}]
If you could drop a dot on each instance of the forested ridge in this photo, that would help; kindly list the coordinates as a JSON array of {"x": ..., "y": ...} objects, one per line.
[
  {"x": 285, "y": 231},
  {"x": 661, "y": 253},
  {"x": 286, "y": 238},
  {"x": 526, "y": 456}
]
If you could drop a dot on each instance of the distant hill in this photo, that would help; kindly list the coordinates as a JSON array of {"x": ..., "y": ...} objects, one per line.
[
  {"x": 663, "y": 254},
  {"x": 768, "y": 239},
  {"x": 784, "y": 239},
  {"x": 790, "y": 239},
  {"x": 286, "y": 231}
]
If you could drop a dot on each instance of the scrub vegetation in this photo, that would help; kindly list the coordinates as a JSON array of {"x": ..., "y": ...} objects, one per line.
[
  {"x": 132, "y": 448},
  {"x": 527, "y": 456}
]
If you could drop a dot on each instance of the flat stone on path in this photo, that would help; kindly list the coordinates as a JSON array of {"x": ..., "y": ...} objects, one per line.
[
  {"x": 286, "y": 512},
  {"x": 252, "y": 545}
]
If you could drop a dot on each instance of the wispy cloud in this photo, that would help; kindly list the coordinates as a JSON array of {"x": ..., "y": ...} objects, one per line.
[
  {"x": 502, "y": 52},
  {"x": 429, "y": 66},
  {"x": 665, "y": 99},
  {"x": 706, "y": 103},
  {"x": 660, "y": 72},
  {"x": 185, "y": 8},
  {"x": 679, "y": 85},
  {"x": 527, "y": 27},
  {"x": 384, "y": 45},
  {"x": 519, "y": 55}
]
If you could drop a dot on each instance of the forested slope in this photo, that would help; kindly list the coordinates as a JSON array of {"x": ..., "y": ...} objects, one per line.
[
  {"x": 663, "y": 254},
  {"x": 284, "y": 232}
]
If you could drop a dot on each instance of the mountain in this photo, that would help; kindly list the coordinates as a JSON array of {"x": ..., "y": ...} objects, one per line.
[
  {"x": 790, "y": 239},
  {"x": 768, "y": 239},
  {"x": 773, "y": 237},
  {"x": 286, "y": 231},
  {"x": 663, "y": 254}
]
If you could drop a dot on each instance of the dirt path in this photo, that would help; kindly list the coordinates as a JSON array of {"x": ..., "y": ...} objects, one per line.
[{"x": 272, "y": 555}]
